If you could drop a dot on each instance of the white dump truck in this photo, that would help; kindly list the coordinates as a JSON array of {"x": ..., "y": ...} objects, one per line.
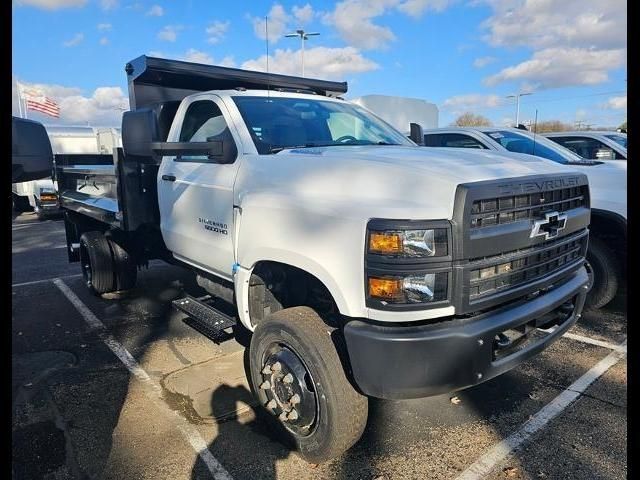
[{"x": 360, "y": 264}]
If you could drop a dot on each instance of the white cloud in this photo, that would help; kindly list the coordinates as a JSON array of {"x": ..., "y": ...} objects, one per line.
[
  {"x": 353, "y": 19},
  {"x": 228, "y": 61},
  {"x": 277, "y": 23},
  {"x": 50, "y": 4},
  {"x": 574, "y": 42},
  {"x": 616, "y": 103},
  {"x": 75, "y": 40},
  {"x": 320, "y": 62},
  {"x": 102, "y": 108},
  {"x": 155, "y": 11},
  {"x": 216, "y": 31},
  {"x": 303, "y": 14},
  {"x": 471, "y": 101},
  {"x": 196, "y": 56},
  {"x": 561, "y": 67},
  {"x": 104, "y": 27},
  {"x": 109, "y": 4},
  {"x": 545, "y": 23},
  {"x": 481, "y": 62},
  {"x": 169, "y": 33},
  {"x": 104, "y": 41},
  {"x": 415, "y": 8}
]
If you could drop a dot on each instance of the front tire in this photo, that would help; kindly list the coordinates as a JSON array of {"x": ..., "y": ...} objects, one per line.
[
  {"x": 298, "y": 378},
  {"x": 606, "y": 274}
]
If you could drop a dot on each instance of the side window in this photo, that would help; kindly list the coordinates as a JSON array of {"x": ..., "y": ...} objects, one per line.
[
  {"x": 452, "y": 140},
  {"x": 588, "y": 147},
  {"x": 203, "y": 122}
]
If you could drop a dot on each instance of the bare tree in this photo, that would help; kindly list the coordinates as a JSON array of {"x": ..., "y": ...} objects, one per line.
[
  {"x": 469, "y": 119},
  {"x": 551, "y": 126}
]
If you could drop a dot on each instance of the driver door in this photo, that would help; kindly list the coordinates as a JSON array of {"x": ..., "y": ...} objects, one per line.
[{"x": 196, "y": 193}]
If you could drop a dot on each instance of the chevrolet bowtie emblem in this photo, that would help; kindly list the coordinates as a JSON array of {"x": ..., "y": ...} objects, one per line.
[{"x": 549, "y": 227}]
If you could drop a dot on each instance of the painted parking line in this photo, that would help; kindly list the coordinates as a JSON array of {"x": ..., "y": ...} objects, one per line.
[
  {"x": 44, "y": 280},
  {"x": 485, "y": 464},
  {"x": 151, "y": 389},
  {"x": 589, "y": 340}
]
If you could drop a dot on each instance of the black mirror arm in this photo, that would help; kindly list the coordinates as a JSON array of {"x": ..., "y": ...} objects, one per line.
[{"x": 211, "y": 149}]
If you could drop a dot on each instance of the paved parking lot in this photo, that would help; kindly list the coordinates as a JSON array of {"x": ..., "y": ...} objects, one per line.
[{"x": 121, "y": 388}]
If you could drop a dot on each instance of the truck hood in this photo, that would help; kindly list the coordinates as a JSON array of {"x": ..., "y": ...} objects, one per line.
[{"x": 381, "y": 181}]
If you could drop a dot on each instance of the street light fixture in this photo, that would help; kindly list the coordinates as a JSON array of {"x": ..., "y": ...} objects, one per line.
[
  {"x": 303, "y": 36},
  {"x": 517, "y": 97}
]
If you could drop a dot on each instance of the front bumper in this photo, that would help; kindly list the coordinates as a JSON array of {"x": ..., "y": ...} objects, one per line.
[{"x": 398, "y": 362}]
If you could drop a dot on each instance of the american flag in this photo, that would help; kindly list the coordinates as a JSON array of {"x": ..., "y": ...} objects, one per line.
[
  {"x": 37, "y": 101},
  {"x": 43, "y": 105}
]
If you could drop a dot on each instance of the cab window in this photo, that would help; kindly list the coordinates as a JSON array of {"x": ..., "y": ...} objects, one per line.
[
  {"x": 451, "y": 140},
  {"x": 204, "y": 122}
]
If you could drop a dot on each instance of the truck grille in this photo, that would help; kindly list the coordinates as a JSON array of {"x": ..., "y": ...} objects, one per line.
[
  {"x": 498, "y": 211},
  {"x": 489, "y": 275}
]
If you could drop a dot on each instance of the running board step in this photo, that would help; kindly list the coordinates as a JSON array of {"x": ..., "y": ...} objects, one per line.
[{"x": 205, "y": 318}]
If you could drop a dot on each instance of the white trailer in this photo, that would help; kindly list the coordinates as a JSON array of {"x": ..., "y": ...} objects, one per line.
[
  {"x": 401, "y": 111},
  {"x": 41, "y": 195}
]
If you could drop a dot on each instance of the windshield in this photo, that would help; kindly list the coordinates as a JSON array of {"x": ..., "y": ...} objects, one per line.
[
  {"x": 520, "y": 143},
  {"x": 276, "y": 123},
  {"x": 619, "y": 139}
]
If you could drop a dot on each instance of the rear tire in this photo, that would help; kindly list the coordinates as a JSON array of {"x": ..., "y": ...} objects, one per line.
[
  {"x": 299, "y": 340},
  {"x": 606, "y": 274},
  {"x": 125, "y": 269},
  {"x": 96, "y": 261}
]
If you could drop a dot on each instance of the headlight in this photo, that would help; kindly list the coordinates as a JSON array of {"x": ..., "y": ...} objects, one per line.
[
  {"x": 412, "y": 288},
  {"x": 430, "y": 242}
]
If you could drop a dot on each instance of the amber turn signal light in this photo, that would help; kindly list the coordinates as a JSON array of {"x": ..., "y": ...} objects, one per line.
[
  {"x": 385, "y": 242},
  {"x": 385, "y": 288}
]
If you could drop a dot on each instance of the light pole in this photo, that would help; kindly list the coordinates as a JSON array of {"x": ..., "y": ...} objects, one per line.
[
  {"x": 517, "y": 97},
  {"x": 303, "y": 36}
]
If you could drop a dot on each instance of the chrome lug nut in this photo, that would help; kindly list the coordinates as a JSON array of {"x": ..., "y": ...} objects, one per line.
[
  {"x": 283, "y": 417},
  {"x": 272, "y": 404},
  {"x": 295, "y": 399},
  {"x": 293, "y": 415},
  {"x": 266, "y": 370},
  {"x": 266, "y": 385},
  {"x": 288, "y": 378},
  {"x": 276, "y": 367}
]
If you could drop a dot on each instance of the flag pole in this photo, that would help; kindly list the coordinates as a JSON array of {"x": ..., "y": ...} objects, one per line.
[{"x": 19, "y": 99}]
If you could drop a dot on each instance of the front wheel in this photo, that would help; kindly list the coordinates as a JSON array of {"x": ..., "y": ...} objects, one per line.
[
  {"x": 606, "y": 274},
  {"x": 297, "y": 376}
]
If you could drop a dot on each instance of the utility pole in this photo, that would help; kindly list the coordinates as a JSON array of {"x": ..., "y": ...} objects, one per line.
[
  {"x": 303, "y": 37},
  {"x": 517, "y": 97}
]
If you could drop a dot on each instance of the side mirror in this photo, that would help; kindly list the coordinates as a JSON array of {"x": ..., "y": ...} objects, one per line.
[
  {"x": 416, "y": 133},
  {"x": 139, "y": 130},
  {"x": 32, "y": 157}
]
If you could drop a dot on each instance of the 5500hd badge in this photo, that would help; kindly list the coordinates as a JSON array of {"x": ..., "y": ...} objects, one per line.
[{"x": 216, "y": 227}]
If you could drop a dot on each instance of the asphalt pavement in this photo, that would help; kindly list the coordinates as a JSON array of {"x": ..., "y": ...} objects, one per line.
[{"x": 119, "y": 387}]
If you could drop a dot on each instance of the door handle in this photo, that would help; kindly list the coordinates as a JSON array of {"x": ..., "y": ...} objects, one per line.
[{"x": 169, "y": 178}]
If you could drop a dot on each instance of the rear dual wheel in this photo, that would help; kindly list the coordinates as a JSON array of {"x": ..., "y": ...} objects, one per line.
[
  {"x": 106, "y": 266},
  {"x": 298, "y": 378}
]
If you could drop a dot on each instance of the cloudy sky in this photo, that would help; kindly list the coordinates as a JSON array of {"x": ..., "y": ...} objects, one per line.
[{"x": 463, "y": 55}]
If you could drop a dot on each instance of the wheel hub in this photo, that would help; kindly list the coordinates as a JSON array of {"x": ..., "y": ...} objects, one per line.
[{"x": 289, "y": 389}]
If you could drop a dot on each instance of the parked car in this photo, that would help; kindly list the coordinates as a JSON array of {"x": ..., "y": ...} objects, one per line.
[
  {"x": 594, "y": 145},
  {"x": 608, "y": 186},
  {"x": 360, "y": 263}
]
